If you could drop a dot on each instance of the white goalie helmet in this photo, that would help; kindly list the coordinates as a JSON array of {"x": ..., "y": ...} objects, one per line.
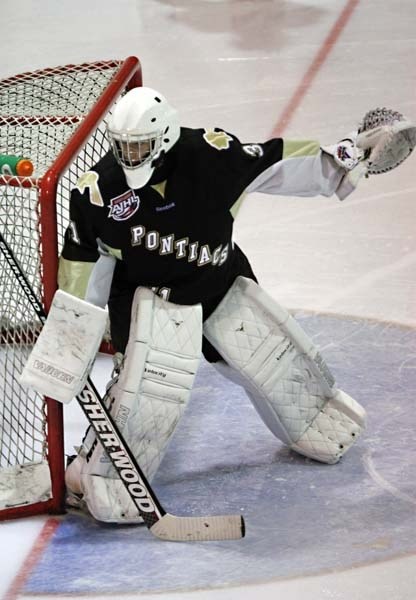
[{"x": 142, "y": 127}]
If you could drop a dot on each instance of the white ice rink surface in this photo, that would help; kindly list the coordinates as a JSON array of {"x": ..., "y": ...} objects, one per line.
[{"x": 303, "y": 69}]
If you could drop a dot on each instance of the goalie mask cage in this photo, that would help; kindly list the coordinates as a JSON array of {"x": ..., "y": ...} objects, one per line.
[{"x": 55, "y": 118}]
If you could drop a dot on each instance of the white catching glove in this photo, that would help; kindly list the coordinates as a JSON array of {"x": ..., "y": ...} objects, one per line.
[
  {"x": 384, "y": 139},
  {"x": 387, "y": 139}
]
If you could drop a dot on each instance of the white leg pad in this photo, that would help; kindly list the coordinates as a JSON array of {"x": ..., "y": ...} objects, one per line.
[
  {"x": 105, "y": 499},
  {"x": 282, "y": 372},
  {"x": 147, "y": 400},
  {"x": 333, "y": 431},
  {"x": 108, "y": 501}
]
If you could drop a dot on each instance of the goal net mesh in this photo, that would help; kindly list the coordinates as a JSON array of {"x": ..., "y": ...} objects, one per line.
[{"x": 39, "y": 113}]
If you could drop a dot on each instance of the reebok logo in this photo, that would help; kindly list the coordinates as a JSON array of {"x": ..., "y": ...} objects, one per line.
[
  {"x": 283, "y": 352},
  {"x": 161, "y": 374},
  {"x": 165, "y": 207}
]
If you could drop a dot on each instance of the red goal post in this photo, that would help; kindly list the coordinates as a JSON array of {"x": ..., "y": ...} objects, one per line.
[{"x": 55, "y": 118}]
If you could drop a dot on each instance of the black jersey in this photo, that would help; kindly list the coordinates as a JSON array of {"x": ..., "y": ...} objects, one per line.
[{"x": 174, "y": 234}]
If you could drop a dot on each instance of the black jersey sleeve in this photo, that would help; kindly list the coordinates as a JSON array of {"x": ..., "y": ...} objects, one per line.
[
  {"x": 80, "y": 239},
  {"x": 80, "y": 252},
  {"x": 251, "y": 159},
  {"x": 230, "y": 168},
  {"x": 226, "y": 165}
]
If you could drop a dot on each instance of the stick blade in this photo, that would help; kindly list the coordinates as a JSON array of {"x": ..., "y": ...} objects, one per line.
[{"x": 199, "y": 529}]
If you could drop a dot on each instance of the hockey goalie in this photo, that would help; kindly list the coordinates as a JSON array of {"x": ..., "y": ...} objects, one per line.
[{"x": 150, "y": 238}]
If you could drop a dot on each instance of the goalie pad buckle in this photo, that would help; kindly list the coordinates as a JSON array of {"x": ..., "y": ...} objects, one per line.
[{"x": 283, "y": 373}]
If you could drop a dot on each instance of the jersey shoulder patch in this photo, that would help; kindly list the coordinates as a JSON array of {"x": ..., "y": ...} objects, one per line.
[
  {"x": 218, "y": 139},
  {"x": 105, "y": 179},
  {"x": 89, "y": 180}
]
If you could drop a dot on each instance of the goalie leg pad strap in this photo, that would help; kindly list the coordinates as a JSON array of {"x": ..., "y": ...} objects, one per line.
[
  {"x": 148, "y": 398},
  {"x": 62, "y": 357},
  {"x": 282, "y": 371}
]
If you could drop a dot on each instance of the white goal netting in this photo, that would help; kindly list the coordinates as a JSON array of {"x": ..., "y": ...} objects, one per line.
[{"x": 39, "y": 114}]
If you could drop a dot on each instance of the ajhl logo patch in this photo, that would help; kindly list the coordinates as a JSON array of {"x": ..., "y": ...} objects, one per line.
[{"x": 124, "y": 206}]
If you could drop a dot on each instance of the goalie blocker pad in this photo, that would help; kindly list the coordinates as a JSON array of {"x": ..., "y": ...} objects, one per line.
[
  {"x": 147, "y": 401},
  {"x": 65, "y": 350},
  {"x": 283, "y": 373}
]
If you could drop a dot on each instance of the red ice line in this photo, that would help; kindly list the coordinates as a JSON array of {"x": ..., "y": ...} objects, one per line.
[
  {"x": 32, "y": 558},
  {"x": 321, "y": 56}
]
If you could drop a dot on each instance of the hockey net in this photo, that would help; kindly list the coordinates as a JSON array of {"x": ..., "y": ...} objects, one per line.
[{"x": 55, "y": 118}]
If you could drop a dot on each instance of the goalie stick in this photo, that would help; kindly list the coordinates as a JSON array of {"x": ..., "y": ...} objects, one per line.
[{"x": 162, "y": 524}]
